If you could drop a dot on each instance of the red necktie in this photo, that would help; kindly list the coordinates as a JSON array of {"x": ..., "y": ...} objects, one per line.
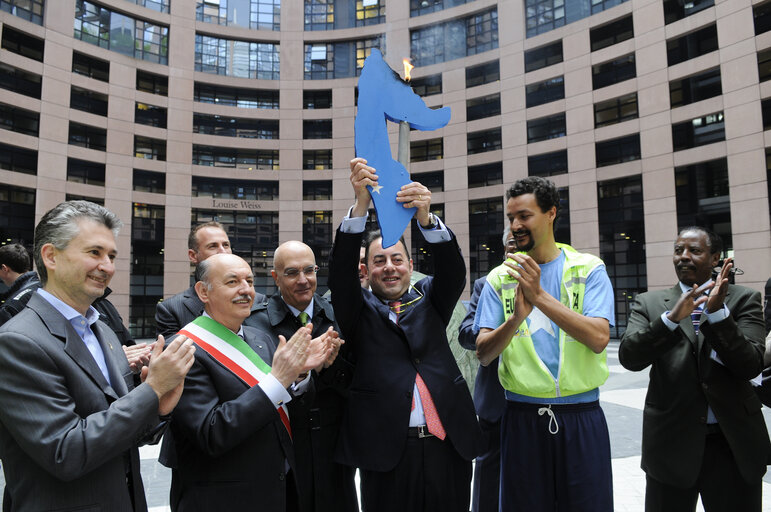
[{"x": 433, "y": 422}]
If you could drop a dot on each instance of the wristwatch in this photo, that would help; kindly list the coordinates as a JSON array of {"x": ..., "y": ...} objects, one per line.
[{"x": 432, "y": 222}]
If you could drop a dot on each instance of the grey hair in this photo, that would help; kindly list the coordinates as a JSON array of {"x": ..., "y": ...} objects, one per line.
[
  {"x": 202, "y": 271},
  {"x": 506, "y": 236},
  {"x": 60, "y": 225}
]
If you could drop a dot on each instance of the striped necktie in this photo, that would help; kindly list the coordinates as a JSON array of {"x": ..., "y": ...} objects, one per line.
[{"x": 696, "y": 320}]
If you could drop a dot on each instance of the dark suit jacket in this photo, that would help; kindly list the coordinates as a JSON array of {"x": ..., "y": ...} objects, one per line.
[
  {"x": 684, "y": 380},
  {"x": 227, "y": 446},
  {"x": 317, "y": 414},
  {"x": 388, "y": 356},
  {"x": 67, "y": 438},
  {"x": 489, "y": 397},
  {"x": 174, "y": 313}
]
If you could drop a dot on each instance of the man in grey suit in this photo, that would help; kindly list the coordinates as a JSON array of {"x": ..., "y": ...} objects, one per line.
[
  {"x": 703, "y": 431},
  {"x": 203, "y": 241},
  {"x": 70, "y": 417},
  {"x": 230, "y": 445}
]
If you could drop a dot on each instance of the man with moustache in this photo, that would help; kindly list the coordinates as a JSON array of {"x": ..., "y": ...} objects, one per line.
[
  {"x": 203, "y": 241},
  {"x": 230, "y": 442},
  {"x": 703, "y": 430},
  {"x": 70, "y": 416},
  {"x": 316, "y": 415},
  {"x": 410, "y": 425},
  {"x": 546, "y": 311}
]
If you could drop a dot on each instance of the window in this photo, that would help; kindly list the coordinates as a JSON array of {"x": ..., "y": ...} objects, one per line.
[
  {"x": 692, "y": 45},
  {"x": 613, "y": 72},
  {"x": 486, "y": 218},
  {"x": 235, "y": 126},
  {"x": 544, "y": 15},
  {"x": 427, "y": 85},
  {"x": 675, "y": 10},
  {"x": 21, "y": 43},
  {"x": 315, "y": 99},
  {"x": 146, "y": 279},
  {"x": 433, "y": 181},
  {"x": 764, "y": 65},
  {"x": 612, "y": 33},
  {"x": 616, "y": 151},
  {"x": 483, "y": 74},
  {"x": 485, "y": 175},
  {"x": 484, "y": 106},
  {"x": 765, "y": 106},
  {"x": 317, "y": 189},
  {"x": 30, "y": 10},
  {"x": 148, "y": 181},
  {"x": 622, "y": 243},
  {"x": 152, "y": 83},
  {"x": 83, "y": 171},
  {"x": 121, "y": 33},
  {"x": 235, "y": 96},
  {"x": 335, "y": 14},
  {"x": 421, "y": 7},
  {"x": 19, "y": 120},
  {"x": 17, "y": 214},
  {"x": 317, "y": 129},
  {"x": 702, "y": 198},
  {"x": 88, "y": 101},
  {"x": 369, "y": 12},
  {"x": 698, "y": 132},
  {"x": 239, "y": 158},
  {"x": 343, "y": 59},
  {"x": 762, "y": 15},
  {"x": 548, "y": 164},
  {"x": 88, "y": 136},
  {"x": 150, "y": 115},
  {"x": 444, "y": 41},
  {"x": 259, "y": 190},
  {"x": 545, "y": 128},
  {"x": 544, "y": 56},
  {"x": 17, "y": 159},
  {"x": 91, "y": 67},
  {"x": 483, "y": 141},
  {"x": 20, "y": 81},
  {"x": 254, "y": 14},
  {"x": 317, "y": 234},
  {"x": 562, "y": 222},
  {"x": 319, "y": 14},
  {"x": 243, "y": 59},
  {"x": 616, "y": 110},
  {"x": 156, "y": 5},
  {"x": 422, "y": 258},
  {"x": 425, "y": 150},
  {"x": 695, "y": 88},
  {"x": 545, "y": 92},
  {"x": 149, "y": 148},
  {"x": 317, "y": 159}
]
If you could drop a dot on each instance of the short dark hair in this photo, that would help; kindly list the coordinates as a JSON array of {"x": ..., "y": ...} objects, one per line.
[
  {"x": 374, "y": 235},
  {"x": 714, "y": 241},
  {"x": 15, "y": 257},
  {"x": 60, "y": 225},
  {"x": 545, "y": 192},
  {"x": 192, "y": 238}
]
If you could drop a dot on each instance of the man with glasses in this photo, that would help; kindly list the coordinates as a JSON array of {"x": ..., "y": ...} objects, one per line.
[{"x": 316, "y": 415}]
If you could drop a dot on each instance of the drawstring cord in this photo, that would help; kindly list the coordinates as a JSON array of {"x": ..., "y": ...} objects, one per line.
[{"x": 552, "y": 419}]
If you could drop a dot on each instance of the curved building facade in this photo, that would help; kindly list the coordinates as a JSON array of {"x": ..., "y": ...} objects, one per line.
[{"x": 648, "y": 114}]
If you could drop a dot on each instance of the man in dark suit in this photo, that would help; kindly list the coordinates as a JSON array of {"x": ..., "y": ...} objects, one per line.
[
  {"x": 203, "y": 241},
  {"x": 17, "y": 274},
  {"x": 410, "y": 424},
  {"x": 316, "y": 415},
  {"x": 703, "y": 431},
  {"x": 490, "y": 403},
  {"x": 70, "y": 417},
  {"x": 229, "y": 445}
]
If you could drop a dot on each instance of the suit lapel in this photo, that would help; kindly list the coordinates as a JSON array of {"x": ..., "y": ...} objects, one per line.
[
  {"x": 113, "y": 356},
  {"x": 192, "y": 302},
  {"x": 686, "y": 326}
]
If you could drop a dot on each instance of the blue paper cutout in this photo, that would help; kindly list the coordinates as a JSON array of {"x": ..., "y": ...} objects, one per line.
[{"x": 384, "y": 96}]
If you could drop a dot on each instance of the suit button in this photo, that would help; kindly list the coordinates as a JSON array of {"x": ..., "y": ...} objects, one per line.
[
  {"x": 703, "y": 419},
  {"x": 417, "y": 360},
  {"x": 281, "y": 476},
  {"x": 408, "y": 394},
  {"x": 704, "y": 385}
]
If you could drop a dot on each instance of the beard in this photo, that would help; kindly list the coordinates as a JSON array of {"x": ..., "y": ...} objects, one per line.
[{"x": 527, "y": 246}]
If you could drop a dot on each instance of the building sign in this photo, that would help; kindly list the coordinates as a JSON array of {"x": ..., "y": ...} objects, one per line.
[{"x": 236, "y": 204}]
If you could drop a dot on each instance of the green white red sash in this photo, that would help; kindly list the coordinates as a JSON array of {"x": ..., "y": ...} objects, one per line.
[{"x": 232, "y": 352}]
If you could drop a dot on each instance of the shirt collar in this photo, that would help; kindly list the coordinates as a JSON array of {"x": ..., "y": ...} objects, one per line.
[
  {"x": 240, "y": 332},
  {"x": 67, "y": 311},
  {"x": 296, "y": 312},
  {"x": 685, "y": 288}
]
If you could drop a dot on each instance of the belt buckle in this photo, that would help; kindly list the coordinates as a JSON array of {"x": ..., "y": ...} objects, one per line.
[{"x": 423, "y": 432}]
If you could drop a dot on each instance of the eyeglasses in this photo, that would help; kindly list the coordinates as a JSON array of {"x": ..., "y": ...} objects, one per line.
[{"x": 293, "y": 273}]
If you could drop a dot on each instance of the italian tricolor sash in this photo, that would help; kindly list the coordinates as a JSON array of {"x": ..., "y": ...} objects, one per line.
[{"x": 232, "y": 352}]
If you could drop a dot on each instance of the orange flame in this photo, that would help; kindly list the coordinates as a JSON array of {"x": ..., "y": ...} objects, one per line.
[{"x": 407, "y": 68}]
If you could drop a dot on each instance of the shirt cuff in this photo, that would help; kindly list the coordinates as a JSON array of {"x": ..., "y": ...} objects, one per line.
[
  {"x": 719, "y": 315},
  {"x": 274, "y": 390},
  {"x": 353, "y": 224},
  {"x": 437, "y": 234},
  {"x": 669, "y": 323},
  {"x": 298, "y": 388}
]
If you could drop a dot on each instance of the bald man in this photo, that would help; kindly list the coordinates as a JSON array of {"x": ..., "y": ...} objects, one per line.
[{"x": 315, "y": 416}]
